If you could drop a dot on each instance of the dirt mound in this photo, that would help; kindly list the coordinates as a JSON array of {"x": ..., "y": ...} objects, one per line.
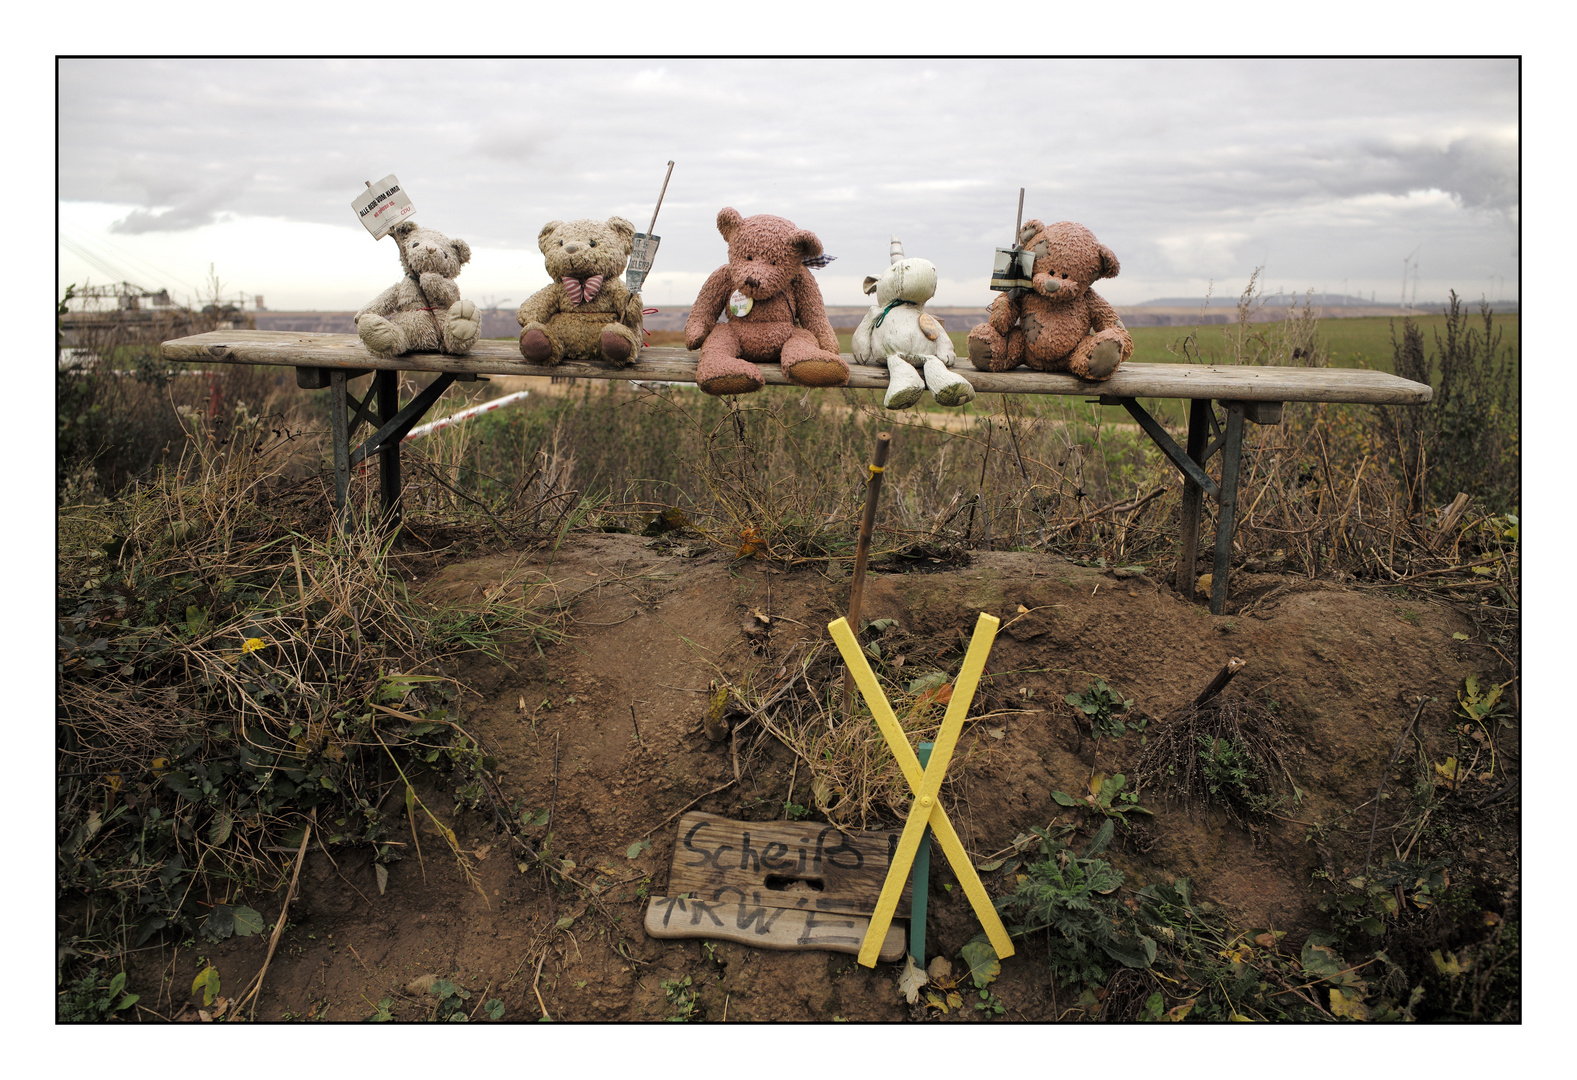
[{"x": 605, "y": 729}]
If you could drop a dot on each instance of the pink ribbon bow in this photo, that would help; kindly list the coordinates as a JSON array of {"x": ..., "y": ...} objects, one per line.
[{"x": 580, "y": 292}]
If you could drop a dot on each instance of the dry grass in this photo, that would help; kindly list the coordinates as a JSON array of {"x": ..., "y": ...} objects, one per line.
[
  {"x": 843, "y": 768},
  {"x": 225, "y": 672},
  {"x": 1229, "y": 752}
]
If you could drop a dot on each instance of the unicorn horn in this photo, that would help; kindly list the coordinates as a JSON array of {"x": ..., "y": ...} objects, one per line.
[{"x": 895, "y": 253}]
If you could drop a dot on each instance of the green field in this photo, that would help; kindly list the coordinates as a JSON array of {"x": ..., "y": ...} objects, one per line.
[{"x": 1350, "y": 343}]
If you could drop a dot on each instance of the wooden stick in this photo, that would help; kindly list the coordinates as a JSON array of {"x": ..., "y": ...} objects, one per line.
[
  {"x": 687, "y": 806},
  {"x": 542, "y": 1005},
  {"x": 653, "y": 225},
  {"x": 279, "y": 927},
  {"x": 1449, "y": 520},
  {"x": 1219, "y": 683},
  {"x": 553, "y": 799},
  {"x": 873, "y": 490}
]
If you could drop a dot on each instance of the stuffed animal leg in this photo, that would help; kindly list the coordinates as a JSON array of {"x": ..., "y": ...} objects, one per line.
[
  {"x": 462, "y": 324},
  {"x": 947, "y": 386},
  {"x": 904, "y": 385}
]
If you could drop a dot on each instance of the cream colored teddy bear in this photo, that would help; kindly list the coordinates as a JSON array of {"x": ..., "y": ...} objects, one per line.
[
  {"x": 901, "y": 334},
  {"x": 587, "y": 313},
  {"x": 423, "y": 312}
]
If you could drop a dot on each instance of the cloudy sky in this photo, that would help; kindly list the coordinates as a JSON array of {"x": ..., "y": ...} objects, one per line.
[{"x": 1326, "y": 173}]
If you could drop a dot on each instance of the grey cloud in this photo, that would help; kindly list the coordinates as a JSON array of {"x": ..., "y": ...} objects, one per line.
[
  {"x": 854, "y": 150},
  {"x": 202, "y": 207}
]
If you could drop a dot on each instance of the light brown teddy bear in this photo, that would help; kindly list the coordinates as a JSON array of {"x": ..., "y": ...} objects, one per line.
[
  {"x": 775, "y": 310},
  {"x": 424, "y": 311},
  {"x": 587, "y": 313},
  {"x": 1059, "y": 324}
]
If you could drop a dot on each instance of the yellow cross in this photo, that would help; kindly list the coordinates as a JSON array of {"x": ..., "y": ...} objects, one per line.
[{"x": 925, "y": 784}]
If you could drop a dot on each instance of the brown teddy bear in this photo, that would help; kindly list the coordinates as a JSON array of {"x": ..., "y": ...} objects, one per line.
[
  {"x": 1059, "y": 324},
  {"x": 775, "y": 310},
  {"x": 587, "y": 313},
  {"x": 424, "y": 311}
]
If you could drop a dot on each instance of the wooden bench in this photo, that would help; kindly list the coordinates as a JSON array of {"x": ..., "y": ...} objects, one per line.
[{"x": 1246, "y": 393}]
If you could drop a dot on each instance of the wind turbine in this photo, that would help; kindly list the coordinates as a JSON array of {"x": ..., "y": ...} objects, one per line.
[{"x": 1405, "y": 263}]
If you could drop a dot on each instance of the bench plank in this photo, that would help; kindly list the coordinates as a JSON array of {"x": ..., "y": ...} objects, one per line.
[{"x": 1236, "y": 383}]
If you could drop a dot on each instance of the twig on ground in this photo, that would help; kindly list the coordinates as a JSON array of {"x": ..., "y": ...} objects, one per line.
[
  {"x": 687, "y": 806},
  {"x": 279, "y": 927},
  {"x": 535, "y": 979},
  {"x": 1422, "y": 701}
]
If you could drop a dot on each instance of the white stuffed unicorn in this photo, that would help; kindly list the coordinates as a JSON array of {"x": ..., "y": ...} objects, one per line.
[{"x": 899, "y": 333}]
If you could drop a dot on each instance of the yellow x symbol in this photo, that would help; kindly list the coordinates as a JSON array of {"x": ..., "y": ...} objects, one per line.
[{"x": 925, "y": 783}]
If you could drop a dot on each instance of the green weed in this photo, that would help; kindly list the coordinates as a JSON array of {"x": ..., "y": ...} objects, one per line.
[{"x": 90, "y": 998}]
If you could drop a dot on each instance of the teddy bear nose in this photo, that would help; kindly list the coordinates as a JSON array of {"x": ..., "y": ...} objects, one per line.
[
  {"x": 572, "y": 247},
  {"x": 431, "y": 249}
]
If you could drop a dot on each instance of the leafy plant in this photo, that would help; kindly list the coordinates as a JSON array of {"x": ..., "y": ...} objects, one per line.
[
  {"x": 681, "y": 1000},
  {"x": 1228, "y": 769},
  {"x": 1106, "y": 796},
  {"x": 1070, "y": 896},
  {"x": 450, "y": 1001},
  {"x": 1103, "y": 708},
  {"x": 92, "y": 998}
]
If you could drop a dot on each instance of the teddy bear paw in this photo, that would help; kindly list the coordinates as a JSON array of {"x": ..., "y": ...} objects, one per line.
[
  {"x": 462, "y": 327},
  {"x": 1104, "y": 359},
  {"x": 380, "y": 335},
  {"x": 616, "y": 348},
  {"x": 817, "y": 369},
  {"x": 535, "y": 346}
]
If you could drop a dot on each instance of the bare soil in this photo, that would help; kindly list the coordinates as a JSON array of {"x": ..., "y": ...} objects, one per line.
[{"x": 607, "y": 728}]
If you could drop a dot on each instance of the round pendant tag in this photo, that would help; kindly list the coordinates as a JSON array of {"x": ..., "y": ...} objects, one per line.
[
  {"x": 739, "y": 305},
  {"x": 929, "y": 326}
]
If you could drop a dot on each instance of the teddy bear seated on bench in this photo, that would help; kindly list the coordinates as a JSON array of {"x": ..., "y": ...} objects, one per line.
[{"x": 423, "y": 311}]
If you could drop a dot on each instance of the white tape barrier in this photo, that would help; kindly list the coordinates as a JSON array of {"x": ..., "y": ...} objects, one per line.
[{"x": 465, "y": 414}]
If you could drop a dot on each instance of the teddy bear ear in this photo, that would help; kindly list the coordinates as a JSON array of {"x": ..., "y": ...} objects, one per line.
[
  {"x": 1109, "y": 264},
  {"x": 728, "y": 222},
  {"x": 1027, "y": 233},
  {"x": 403, "y": 229},
  {"x": 462, "y": 251},
  {"x": 547, "y": 231},
  {"x": 622, "y": 229},
  {"x": 806, "y": 243},
  {"x": 869, "y": 286}
]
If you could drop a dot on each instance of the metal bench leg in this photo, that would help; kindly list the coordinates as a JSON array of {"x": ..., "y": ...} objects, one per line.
[
  {"x": 388, "y": 390},
  {"x": 339, "y": 426},
  {"x": 1193, "y": 498},
  {"x": 1226, "y": 515}
]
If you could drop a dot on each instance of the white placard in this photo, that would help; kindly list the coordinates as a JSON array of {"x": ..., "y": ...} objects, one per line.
[
  {"x": 383, "y": 206},
  {"x": 643, "y": 249}
]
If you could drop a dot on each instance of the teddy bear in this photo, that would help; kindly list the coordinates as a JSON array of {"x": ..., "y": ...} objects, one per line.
[
  {"x": 1058, "y": 324},
  {"x": 587, "y": 313},
  {"x": 424, "y": 311},
  {"x": 775, "y": 310},
  {"x": 901, "y": 334}
]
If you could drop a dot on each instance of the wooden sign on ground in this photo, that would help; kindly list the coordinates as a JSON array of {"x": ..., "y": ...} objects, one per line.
[{"x": 776, "y": 885}]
